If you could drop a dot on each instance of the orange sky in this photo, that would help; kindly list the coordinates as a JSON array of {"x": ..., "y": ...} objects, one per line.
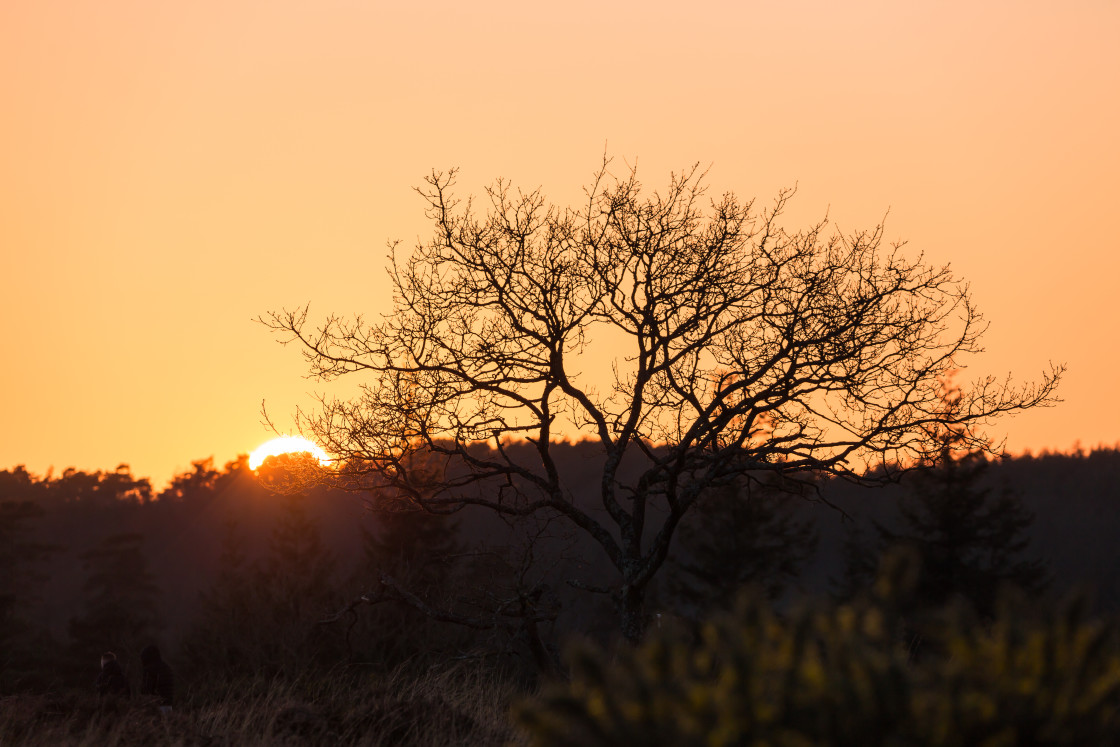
[{"x": 169, "y": 171}]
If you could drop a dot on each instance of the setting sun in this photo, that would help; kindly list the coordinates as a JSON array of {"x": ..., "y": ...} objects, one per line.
[{"x": 287, "y": 445}]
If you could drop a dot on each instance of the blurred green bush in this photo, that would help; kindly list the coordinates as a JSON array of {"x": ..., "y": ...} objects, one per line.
[{"x": 847, "y": 674}]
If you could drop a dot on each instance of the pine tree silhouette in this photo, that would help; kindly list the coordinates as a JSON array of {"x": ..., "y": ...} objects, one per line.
[
  {"x": 970, "y": 540},
  {"x": 21, "y": 641},
  {"x": 222, "y": 638},
  {"x": 738, "y": 536},
  {"x": 120, "y": 600}
]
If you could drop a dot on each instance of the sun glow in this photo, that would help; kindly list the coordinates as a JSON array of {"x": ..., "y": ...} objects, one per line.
[{"x": 287, "y": 445}]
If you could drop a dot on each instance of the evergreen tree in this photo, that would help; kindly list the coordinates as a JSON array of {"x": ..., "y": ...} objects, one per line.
[
  {"x": 259, "y": 615},
  {"x": 223, "y": 638},
  {"x": 422, "y": 552},
  {"x": 16, "y": 554},
  {"x": 21, "y": 643},
  {"x": 969, "y": 540},
  {"x": 749, "y": 534},
  {"x": 120, "y": 600},
  {"x": 298, "y": 571},
  {"x": 100, "y": 490},
  {"x": 411, "y": 544},
  {"x": 17, "y": 485},
  {"x": 198, "y": 484},
  {"x": 296, "y": 587}
]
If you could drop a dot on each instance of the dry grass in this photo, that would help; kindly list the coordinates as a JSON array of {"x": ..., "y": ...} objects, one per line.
[{"x": 457, "y": 706}]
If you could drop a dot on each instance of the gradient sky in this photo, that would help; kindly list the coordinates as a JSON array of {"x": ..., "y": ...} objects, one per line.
[{"x": 169, "y": 171}]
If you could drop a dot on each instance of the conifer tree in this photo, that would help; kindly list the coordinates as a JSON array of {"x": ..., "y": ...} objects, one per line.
[
  {"x": 420, "y": 551},
  {"x": 411, "y": 543},
  {"x": 297, "y": 574},
  {"x": 970, "y": 540},
  {"x": 120, "y": 612},
  {"x": 259, "y": 616},
  {"x": 223, "y": 638},
  {"x": 297, "y": 585},
  {"x": 739, "y": 536},
  {"x": 100, "y": 490},
  {"x": 20, "y": 641}
]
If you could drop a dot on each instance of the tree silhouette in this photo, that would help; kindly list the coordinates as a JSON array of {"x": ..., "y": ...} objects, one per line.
[
  {"x": 99, "y": 490},
  {"x": 969, "y": 540},
  {"x": 224, "y": 638},
  {"x": 736, "y": 537},
  {"x": 295, "y": 584},
  {"x": 17, "y": 553},
  {"x": 120, "y": 600},
  {"x": 410, "y": 542},
  {"x": 419, "y": 550},
  {"x": 20, "y": 575},
  {"x": 737, "y": 348},
  {"x": 199, "y": 484},
  {"x": 298, "y": 571}
]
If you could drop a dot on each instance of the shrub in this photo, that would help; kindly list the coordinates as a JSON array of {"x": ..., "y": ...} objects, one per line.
[{"x": 842, "y": 675}]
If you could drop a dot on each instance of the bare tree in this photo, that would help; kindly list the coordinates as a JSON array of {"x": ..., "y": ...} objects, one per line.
[{"x": 741, "y": 350}]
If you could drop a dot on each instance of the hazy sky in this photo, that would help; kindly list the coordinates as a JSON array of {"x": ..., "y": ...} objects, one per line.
[{"x": 169, "y": 171}]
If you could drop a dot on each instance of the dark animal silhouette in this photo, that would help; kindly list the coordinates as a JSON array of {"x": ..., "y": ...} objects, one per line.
[
  {"x": 156, "y": 678},
  {"x": 111, "y": 680}
]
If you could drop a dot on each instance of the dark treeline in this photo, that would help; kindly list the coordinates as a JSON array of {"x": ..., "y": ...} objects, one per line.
[{"x": 231, "y": 578}]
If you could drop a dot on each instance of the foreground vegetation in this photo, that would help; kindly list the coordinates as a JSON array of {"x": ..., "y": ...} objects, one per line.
[
  {"x": 449, "y": 706},
  {"x": 928, "y": 653},
  {"x": 880, "y": 670}
]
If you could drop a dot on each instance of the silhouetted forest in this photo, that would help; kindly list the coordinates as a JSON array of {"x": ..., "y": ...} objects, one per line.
[{"x": 232, "y": 578}]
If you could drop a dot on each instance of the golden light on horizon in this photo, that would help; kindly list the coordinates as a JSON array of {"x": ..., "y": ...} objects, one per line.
[
  {"x": 990, "y": 137},
  {"x": 288, "y": 445}
]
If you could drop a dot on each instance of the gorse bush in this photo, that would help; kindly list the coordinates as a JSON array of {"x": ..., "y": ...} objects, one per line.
[
  {"x": 751, "y": 678},
  {"x": 828, "y": 674},
  {"x": 1053, "y": 679}
]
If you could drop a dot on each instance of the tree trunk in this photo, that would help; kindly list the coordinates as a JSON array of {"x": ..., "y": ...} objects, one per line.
[{"x": 633, "y": 606}]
